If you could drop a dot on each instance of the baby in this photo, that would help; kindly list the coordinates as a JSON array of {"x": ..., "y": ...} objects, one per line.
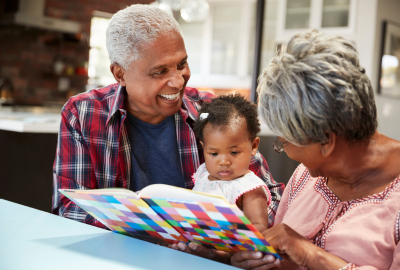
[{"x": 227, "y": 128}]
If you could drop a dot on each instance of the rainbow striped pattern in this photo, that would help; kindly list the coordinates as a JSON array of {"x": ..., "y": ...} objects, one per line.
[{"x": 167, "y": 221}]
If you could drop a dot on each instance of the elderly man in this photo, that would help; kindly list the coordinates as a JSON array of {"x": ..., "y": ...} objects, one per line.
[{"x": 138, "y": 131}]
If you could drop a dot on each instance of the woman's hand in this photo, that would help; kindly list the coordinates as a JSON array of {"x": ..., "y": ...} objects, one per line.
[
  {"x": 202, "y": 251},
  {"x": 299, "y": 250},
  {"x": 288, "y": 242},
  {"x": 255, "y": 260}
]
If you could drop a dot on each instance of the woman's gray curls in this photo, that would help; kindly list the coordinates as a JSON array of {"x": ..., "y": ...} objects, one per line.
[
  {"x": 316, "y": 85},
  {"x": 132, "y": 29}
]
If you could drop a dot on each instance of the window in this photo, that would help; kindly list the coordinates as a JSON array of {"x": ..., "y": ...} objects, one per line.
[
  {"x": 99, "y": 63},
  {"x": 221, "y": 48}
]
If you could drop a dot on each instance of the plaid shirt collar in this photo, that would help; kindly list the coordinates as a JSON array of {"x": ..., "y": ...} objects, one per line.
[
  {"x": 187, "y": 109},
  {"x": 117, "y": 103}
]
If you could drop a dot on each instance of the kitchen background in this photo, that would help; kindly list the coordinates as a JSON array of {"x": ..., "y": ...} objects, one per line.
[{"x": 53, "y": 49}]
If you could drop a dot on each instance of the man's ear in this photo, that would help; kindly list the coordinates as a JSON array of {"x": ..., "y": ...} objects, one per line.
[
  {"x": 202, "y": 145},
  {"x": 118, "y": 73},
  {"x": 254, "y": 145},
  {"x": 328, "y": 147}
]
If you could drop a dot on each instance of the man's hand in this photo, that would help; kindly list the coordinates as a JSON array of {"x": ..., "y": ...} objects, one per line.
[
  {"x": 202, "y": 251},
  {"x": 255, "y": 260}
]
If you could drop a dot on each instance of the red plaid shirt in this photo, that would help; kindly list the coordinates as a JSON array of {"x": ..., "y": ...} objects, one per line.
[{"x": 94, "y": 151}]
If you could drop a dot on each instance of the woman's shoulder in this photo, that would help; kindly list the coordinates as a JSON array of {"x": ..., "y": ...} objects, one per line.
[
  {"x": 299, "y": 171},
  {"x": 300, "y": 176},
  {"x": 299, "y": 182}
]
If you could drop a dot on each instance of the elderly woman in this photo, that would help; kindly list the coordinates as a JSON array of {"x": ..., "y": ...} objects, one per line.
[{"x": 341, "y": 208}]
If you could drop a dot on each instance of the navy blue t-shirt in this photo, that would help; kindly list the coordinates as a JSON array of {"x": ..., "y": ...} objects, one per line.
[{"x": 155, "y": 157}]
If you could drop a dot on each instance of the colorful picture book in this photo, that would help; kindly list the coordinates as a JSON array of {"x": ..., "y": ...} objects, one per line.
[{"x": 165, "y": 215}]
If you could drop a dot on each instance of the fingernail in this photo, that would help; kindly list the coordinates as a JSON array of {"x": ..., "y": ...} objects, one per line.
[
  {"x": 268, "y": 258},
  {"x": 192, "y": 246},
  {"x": 181, "y": 246},
  {"x": 259, "y": 254}
]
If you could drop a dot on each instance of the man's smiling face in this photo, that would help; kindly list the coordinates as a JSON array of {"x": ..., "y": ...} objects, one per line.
[{"x": 156, "y": 82}]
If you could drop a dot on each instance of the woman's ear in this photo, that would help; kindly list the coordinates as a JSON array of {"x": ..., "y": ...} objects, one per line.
[
  {"x": 328, "y": 147},
  {"x": 118, "y": 73},
  {"x": 254, "y": 145},
  {"x": 201, "y": 144}
]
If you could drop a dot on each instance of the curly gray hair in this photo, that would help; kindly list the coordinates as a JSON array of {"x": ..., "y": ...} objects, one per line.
[
  {"x": 132, "y": 29},
  {"x": 315, "y": 85}
]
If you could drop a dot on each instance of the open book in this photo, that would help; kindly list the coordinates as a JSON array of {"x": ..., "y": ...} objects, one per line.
[{"x": 166, "y": 214}]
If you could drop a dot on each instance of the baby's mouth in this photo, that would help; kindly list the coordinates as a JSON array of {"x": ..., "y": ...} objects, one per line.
[{"x": 225, "y": 173}]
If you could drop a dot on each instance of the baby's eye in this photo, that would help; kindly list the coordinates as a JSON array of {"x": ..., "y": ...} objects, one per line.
[
  {"x": 214, "y": 154},
  {"x": 234, "y": 153}
]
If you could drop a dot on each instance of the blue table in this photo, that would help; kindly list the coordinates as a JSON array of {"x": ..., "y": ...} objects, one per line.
[{"x": 32, "y": 239}]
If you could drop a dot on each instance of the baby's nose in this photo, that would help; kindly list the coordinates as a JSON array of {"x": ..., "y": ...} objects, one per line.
[{"x": 224, "y": 162}]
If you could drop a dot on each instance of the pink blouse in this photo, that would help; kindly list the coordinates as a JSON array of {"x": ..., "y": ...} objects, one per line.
[{"x": 363, "y": 232}]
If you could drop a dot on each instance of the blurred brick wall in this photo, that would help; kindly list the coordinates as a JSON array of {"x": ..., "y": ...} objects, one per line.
[{"x": 27, "y": 54}]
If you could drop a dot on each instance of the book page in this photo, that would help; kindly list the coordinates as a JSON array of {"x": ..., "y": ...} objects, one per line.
[
  {"x": 175, "y": 193},
  {"x": 106, "y": 191}
]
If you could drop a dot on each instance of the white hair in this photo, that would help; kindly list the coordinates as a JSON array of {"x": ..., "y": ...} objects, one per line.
[
  {"x": 316, "y": 85},
  {"x": 132, "y": 29}
]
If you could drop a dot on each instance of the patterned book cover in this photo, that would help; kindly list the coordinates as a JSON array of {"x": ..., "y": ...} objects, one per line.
[
  {"x": 126, "y": 214},
  {"x": 222, "y": 227},
  {"x": 166, "y": 221}
]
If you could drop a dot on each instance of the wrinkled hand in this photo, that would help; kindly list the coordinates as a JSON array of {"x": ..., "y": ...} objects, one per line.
[
  {"x": 243, "y": 259},
  {"x": 255, "y": 260},
  {"x": 202, "y": 251},
  {"x": 288, "y": 242}
]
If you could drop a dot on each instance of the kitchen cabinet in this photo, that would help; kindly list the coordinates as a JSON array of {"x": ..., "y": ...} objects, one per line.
[
  {"x": 221, "y": 48},
  {"x": 331, "y": 16},
  {"x": 26, "y": 163},
  {"x": 28, "y": 142}
]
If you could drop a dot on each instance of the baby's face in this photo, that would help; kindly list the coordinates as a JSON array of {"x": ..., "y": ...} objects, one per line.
[{"x": 228, "y": 153}]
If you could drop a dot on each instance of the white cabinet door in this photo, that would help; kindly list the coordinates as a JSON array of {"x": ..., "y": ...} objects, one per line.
[
  {"x": 297, "y": 14},
  {"x": 331, "y": 16},
  {"x": 221, "y": 48}
]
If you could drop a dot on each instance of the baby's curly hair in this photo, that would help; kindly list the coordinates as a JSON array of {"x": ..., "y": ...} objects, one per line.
[{"x": 223, "y": 111}]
